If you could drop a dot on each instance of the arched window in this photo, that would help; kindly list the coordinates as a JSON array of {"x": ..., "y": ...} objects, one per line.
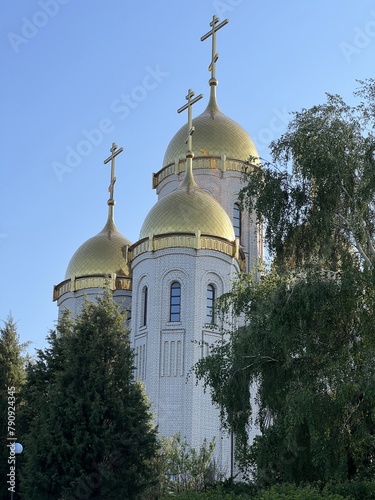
[
  {"x": 237, "y": 220},
  {"x": 210, "y": 305},
  {"x": 175, "y": 302},
  {"x": 144, "y": 306}
]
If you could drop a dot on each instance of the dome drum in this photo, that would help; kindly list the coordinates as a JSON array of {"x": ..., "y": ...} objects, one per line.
[
  {"x": 221, "y": 163},
  {"x": 113, "y": 282},
  {"x": 195, "y": 241}
]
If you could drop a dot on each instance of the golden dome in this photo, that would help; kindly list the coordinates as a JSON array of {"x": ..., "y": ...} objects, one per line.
[
  {"x": 101, "y": 254},
  {"x": 215, "y": 135},
  {"x": 186, "y": 210}
]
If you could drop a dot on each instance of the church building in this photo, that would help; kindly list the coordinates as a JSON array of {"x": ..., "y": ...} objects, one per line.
[{"x": 192, "y": 244}]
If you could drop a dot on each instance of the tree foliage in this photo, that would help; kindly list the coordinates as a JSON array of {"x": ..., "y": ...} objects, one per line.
[
  {"x": 184, "y": 468},
  {"x": 89, "y": 427},
  {"x": 317, "y": 197},
  {"x": 12, "y": 376},
  {"x": 307, "y": 340}
]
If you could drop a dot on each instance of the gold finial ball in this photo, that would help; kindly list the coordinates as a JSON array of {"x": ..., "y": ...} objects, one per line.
[
  {"x": 213, "y": 81},
  {"x": 111, "y": 203},
  {"x": 189, "y": 154}
]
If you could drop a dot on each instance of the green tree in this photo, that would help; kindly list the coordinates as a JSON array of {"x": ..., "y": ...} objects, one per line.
[
  {"x": 307, "y": 343},
  {"x": 12, "y": 377},
  {"x": 184, "y": 468},
  {"x": 317, "y": 197},
  {"x": 90, "y": 432}
]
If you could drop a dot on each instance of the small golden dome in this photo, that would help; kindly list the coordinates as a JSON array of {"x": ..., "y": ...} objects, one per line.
[
  {"x": 215, "y": 135},
  {"x": 101, "y": 254},
  {"x": 186, "y": 210}
]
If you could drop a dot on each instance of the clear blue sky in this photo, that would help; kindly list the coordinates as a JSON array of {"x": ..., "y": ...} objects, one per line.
[{"x": 70, "y": 68}]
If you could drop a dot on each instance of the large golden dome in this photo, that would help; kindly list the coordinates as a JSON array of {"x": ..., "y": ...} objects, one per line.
[
  {"x": 101, "y": 254},
  {"x": 215, "y": 135},
  {"x": 188, "y": 209}
]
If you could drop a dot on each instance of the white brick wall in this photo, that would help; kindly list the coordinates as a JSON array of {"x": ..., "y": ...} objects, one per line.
[
  {"x": 172, "y": 349},
  {"x": 74, "y": 300}
]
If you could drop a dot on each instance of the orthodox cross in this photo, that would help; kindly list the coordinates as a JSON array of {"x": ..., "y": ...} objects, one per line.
[
  {"x": 215, "y": 55},
  {"x": 114, "y": 152},
  {"x": 188, "y": 106}
]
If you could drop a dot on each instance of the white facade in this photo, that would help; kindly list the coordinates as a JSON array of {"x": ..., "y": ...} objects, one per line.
[{"x": 167, "y": 350}]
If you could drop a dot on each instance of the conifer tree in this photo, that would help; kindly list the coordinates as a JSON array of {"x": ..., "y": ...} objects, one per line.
[
  {"x": 90, "y": 431},
  {"x": 12, "y": 378}
]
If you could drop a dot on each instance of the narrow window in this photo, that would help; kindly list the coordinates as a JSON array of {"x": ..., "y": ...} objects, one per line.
[
  {"x": 210, "y": 305},
  {"x": 237, "y": 220},
  {"x": 175, "y": 302},
  {"x": 144, "y": 306}
]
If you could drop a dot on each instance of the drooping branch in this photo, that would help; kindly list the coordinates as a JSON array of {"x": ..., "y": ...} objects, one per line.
[{"x": 357, "y": 243}]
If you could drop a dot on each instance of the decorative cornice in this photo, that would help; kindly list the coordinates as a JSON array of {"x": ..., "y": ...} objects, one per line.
[
  {"x": 222, "y": 164},
  {"x": 195, "y": 241},
  {"x": 114, "y": 282}
]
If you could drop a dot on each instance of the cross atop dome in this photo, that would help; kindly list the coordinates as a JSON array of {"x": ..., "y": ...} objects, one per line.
[
  {"x": 115, "y": 152},
  {"x": 189, "y": 178},
  {"x": 188, "y": 106},
  {"x": 215, "y": 56}
]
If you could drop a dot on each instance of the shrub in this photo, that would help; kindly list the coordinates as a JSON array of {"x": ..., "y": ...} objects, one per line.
[{"x": 293, "y": 492}]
